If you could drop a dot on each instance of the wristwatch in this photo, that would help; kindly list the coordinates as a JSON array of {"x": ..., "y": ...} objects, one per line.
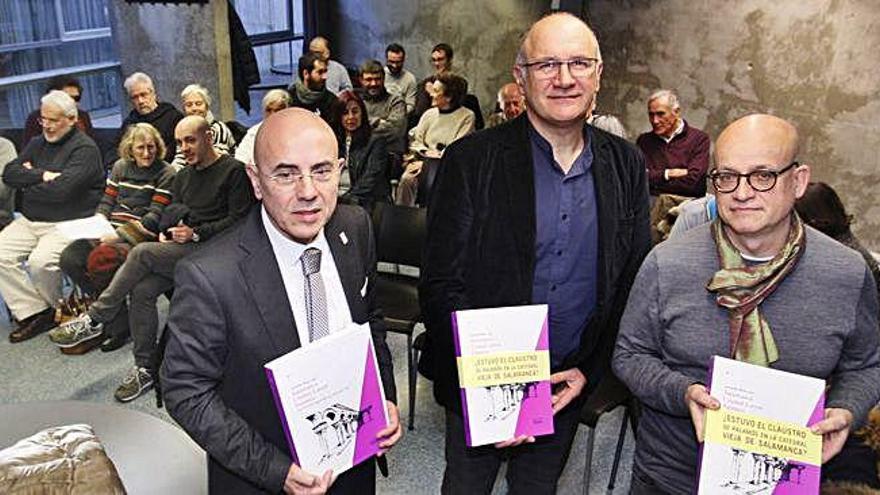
[{"x": 195, "y": 237}]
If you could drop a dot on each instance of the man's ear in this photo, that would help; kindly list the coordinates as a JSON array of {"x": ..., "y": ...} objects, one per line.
[
  {"x": 254, "y": 176},
  {"x": 802, "y": 174}
]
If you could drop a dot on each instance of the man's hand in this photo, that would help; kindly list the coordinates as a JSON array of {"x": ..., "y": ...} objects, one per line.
[
  {"x": 698, "y": 400},
  {"x": 299, "y": 482},
  {"x": 674, "y": 173},
  {"x": 50, "y": 176},
  {"x": 834, "y": 430},
  {"x": 27, "y": 165},
  {"x": 390, "y": 435},
  {"x": 181, "y": 234},
  {"x": 515, "y": 442},
  {"x": 413, "y": 168},
  {"x": 573, "y": 382},
  {"x": 436, "y": 154}
]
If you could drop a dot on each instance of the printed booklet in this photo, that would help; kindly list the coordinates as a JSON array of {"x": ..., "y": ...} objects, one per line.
[
  {"x": 759, "y": 442},
  {"x": 504, "y": 372},
  {"x": 330, "y": 400}
]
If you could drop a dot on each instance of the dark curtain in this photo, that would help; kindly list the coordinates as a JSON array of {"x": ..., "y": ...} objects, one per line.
[
  {"x": 245, "y": 71},
  {"x": 316, "y": 20}
]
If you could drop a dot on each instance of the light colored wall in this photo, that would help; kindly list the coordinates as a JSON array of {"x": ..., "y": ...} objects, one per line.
[
  {"x": 176, "y": 45},
  {"x": 484, "y": 34},
  {"x": 814, "y": 62}
]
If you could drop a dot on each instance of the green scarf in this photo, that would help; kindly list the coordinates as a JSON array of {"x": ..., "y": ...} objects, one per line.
[{"x": 741, "y": 288}]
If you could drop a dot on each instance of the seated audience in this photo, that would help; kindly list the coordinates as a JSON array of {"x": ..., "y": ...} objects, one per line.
[
  {"x": 197, "y": 101},
  {"x": 137, "y": 191},
  {"x": 442, "y": 124},
  {"x": 677, "y": 154},
  {"x": 72, "y": 87},
  {"x": 208, "y": 196},
  {"x": 7, "y": 195},
  {"x": 60, "y": 177},
  {"x": 337, "y": 75},
  {"x": 386, "y": 111},
  {"x": 148, "y": 109},
  {"x": 310, "y": 92},
  {"x": 275, "y": 100},
  {"x": 511, "y": 103},
  {"x": 363, "y": 180},
  {"x": 780, "y": 295},
  {"x": 398, "y": 80}
]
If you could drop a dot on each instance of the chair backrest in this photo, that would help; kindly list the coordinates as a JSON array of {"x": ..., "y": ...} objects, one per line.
[{"x": 400, "y": 233}]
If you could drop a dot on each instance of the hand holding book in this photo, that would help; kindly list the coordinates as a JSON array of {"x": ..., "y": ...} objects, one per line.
[
  {"x": 834, "y": 430},
  {"x": 698, "y": 400}
]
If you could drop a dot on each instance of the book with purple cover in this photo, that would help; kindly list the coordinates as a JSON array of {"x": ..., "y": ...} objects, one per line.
[
  {"x": 503, "y": 357},
  {"x": 330, "y": 400},
  {"x": 759, "y": 442}
]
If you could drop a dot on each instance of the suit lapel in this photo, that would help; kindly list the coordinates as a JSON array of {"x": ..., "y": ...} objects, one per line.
[
  {"x": 606, "y": 204},
  {"x": 519, "y": 177},
  {"x": 265, "y": 285},
  {"x": 345, "y": 254}
]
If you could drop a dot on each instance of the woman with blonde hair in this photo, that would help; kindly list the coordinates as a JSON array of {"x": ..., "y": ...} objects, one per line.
[{"x": 138, "y": 189}]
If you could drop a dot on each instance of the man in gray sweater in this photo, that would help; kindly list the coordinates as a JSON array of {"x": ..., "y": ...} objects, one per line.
[{"x": 793, "y": 299}]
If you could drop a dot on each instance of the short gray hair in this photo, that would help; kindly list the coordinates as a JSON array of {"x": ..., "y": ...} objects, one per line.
[
  {"x": 668, "y": 96},
  {"x": 196, "y": 89},
  {"x": 61, "y": 100},
  {"x": 137, "y": 77},
  {"x": 276, "y": 96}
]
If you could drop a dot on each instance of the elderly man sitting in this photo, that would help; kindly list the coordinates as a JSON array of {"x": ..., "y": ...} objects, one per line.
[
  {"x": 274, "y": 101},
  {"x": 60, "y": 177}
]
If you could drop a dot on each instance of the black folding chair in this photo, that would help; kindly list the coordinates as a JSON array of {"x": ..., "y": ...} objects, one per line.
[
  {"x": 608, "y": 395},
  {"x": 400, "y": 237}
]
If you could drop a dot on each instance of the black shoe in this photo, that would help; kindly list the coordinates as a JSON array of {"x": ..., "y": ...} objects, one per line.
[
  {"x": 113, "y": 343},
  {"x": 33, "y": 325}
]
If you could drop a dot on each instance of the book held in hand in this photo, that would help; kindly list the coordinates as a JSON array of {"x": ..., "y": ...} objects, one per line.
[
  {"x": 330, "y": 400},
  {"x": 759, "y": 441},
  {"x": 503, "y": 357}
]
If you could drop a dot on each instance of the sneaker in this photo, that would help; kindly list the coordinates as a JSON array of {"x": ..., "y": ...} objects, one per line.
[
  {"x": 138, "y": 381},
  {"x": 114, "y": 342},
  {"x": 76, "y": 331}
]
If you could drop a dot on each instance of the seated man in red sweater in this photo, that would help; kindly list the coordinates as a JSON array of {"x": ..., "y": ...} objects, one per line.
[{"x": 677, "y": 155}]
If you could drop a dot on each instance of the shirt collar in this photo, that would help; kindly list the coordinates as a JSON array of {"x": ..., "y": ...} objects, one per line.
[
  {"x": 678, "y": 130},
  {"x": 583, "y": 162}
]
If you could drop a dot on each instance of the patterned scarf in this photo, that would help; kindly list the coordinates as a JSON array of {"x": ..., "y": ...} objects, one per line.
[{"x": 741, "y": 287}]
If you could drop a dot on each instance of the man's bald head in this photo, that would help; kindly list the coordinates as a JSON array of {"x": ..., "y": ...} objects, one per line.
[
  {"x": 195, "y": 141},
  {"x": 296, "y": 174},
  {"x": 321, "y": 46},
  {"x": 560, "y": 24},
  {"x": 760, "y": 133},
  {"x": 290, "y": 127}
]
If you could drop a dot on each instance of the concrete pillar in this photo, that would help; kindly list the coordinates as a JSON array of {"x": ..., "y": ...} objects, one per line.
[{"x": 176, "y": 45}]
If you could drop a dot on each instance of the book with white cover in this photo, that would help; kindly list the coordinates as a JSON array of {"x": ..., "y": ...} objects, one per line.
[
  {"x": 504, "y": 372},
  {"x": 330, "y": 400},
  {"x": 93, "y": 227},
  {"x": 759, "y": 442}
]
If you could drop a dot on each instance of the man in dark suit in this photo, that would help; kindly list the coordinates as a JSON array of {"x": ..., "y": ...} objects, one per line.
[
  {"x": 541, "y": 209},
  {"x": 236, "y": 306}
]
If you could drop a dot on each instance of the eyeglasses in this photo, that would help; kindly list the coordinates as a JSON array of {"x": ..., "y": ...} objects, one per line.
[
  {"x": 549, "y": 69},
  {"x": 322, "y": 173},
  {"x": 45, "y": 121},
  {"x": 759, "y": 180}
]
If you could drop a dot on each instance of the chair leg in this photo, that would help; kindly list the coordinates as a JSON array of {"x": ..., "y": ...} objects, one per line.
[
  {"x": 620, "y": 438},
  {"x": 410, "y": 369},
  {"x": 591, "y": 437}
]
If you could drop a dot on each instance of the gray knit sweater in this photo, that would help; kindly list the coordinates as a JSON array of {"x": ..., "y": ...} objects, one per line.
[{"x": 823, "y": 317}]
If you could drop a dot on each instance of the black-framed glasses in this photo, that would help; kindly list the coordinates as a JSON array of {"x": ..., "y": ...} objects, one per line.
[
  {"x": 760, "y": 180},
  {"x": 548, "y": 69}
]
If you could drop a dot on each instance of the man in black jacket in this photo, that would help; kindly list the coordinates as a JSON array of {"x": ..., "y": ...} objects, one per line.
[
  {"x": 147, "y": 108},
  {"x": 59, "y": 176},
  {"x": 542, "y": 209}
]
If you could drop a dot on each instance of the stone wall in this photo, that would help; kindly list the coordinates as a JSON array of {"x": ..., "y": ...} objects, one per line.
[
  {"x": 176, "y": 45},
  {"x": 814, "y": 62}
]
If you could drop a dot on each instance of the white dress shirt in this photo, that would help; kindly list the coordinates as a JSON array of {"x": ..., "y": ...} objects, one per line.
[{"x": 287, "y": 255}]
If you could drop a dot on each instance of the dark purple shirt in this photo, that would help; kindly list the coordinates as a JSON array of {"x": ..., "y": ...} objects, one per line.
[
  {"x": 689, "y": 149},
  {"x": 566, "y": 244}
]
